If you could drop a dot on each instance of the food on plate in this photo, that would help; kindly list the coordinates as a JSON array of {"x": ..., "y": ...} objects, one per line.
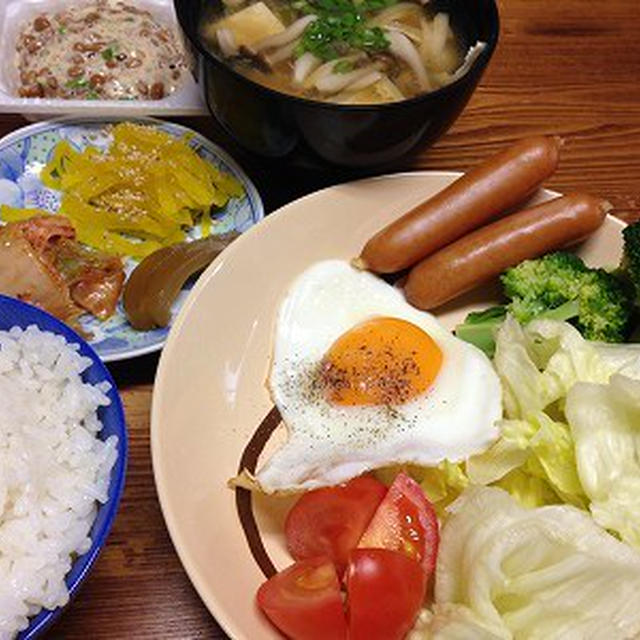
[
  {"x": 483, "y": 254},
  {"x": 54, "y": 469},
  {"x": 603, "y": 305},
  {"x": 154, "y": 284},
  {"x": 304, "y": 601},
  {"x": 406, "y": 522},
  {"x": 385, "y": 591},
  {"x": 479, "y": 196},
  {"x": 388, "y": 546},
  {"x": 538, "y": 562},
  {"x": 541, "y": 524},
  {"x": 99, "y": 50},
  {"x": 441, "y": 483},
  {"x": 363, "y": 380},
  {"x": 330, "y": 522},
  {"x": 508, "y": 572},
  {"x": 547, "y": 452},
  {"x": 569, "y": 437},
  {"x": 139, "y": 195},
  {"x": 340, "y": 51},
  {"x": 604, "y": 421},
  {"x": 558, "y": 286},
  {"x": 42, "y": 263}
]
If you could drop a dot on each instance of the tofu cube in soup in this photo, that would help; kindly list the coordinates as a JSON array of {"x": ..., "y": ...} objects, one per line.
[{"x": 249, "y": 25}]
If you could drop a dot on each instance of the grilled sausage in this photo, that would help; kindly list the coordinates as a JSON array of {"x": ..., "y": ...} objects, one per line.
[
  {"x": 487, "y": 252},
  {"x": 476, "y": 198}
]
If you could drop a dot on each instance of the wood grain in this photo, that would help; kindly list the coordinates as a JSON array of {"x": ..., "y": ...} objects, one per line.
[{"x": 568, "y": 67}]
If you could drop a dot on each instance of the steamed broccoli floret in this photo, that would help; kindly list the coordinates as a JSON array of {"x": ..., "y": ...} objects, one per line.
[
  {"x": 536, "y": 286},
  {"x": 557, "y": 286},
  {"x": 606, "y": 307},
  {"x": 630, "y": 264},
  {"x": 539, "y": 286}
]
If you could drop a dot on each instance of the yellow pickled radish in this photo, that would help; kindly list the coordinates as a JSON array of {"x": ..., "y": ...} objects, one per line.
[{"x": 143, "y": 193}]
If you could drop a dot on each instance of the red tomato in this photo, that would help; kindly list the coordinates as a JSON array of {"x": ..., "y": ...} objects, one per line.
[
  {"x": 405, "y": 521},
  {"x": 304, "y": 601},
  {"x": 385, "y": 592},
  {"x": 331, "y": 521}
]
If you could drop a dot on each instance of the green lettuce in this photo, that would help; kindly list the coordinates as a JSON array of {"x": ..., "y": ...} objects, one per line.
[
  {"x": 531, "y": 553},
  {"x": 547, "y": 573},
  {"x": 605, "y": 426},
  {"x": 539, "y": 448},
  {"x": 536, "y": 458},
  {"x": 539, "y": 363},
  {"x": 529, "y": 490}
]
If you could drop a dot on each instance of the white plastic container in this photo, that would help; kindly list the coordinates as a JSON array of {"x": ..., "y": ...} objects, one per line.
[{"x": 14, "y": 14}]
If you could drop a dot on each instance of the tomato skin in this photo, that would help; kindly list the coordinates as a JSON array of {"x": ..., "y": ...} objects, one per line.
[
  {"x": 304, "y": 601},
  {"x": 331, "y": 521},
  {"x": 385, "y": 592},
  {"x": 405, "y": 521}
]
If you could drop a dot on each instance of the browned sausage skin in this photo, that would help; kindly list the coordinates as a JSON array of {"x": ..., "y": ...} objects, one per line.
[
  {"x": 476, "y": 198},
  {"x": 487, "y": 252}
]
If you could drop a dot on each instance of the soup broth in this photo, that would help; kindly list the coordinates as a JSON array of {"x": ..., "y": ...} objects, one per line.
[{"x": 342, "y": 51}]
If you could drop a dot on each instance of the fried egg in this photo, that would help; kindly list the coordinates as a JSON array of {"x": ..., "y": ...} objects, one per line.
[{"x": 363, "y": 380}]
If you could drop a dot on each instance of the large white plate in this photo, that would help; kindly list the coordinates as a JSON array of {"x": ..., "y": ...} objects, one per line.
[
  {"x": 24, "y": 152},
  {"x": 210, "y": 395}
]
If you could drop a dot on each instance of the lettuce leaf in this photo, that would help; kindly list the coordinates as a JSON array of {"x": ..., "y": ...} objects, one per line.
[
  {"x": 529, "y": 490},
  {"x": 509, "y": 452},
  {"x": 605, "y": 425},
  {"x": 517, "y": 559},
  {"x": 539, "y": 449},
  {"x": 622, "y": 358},
  {"x": 549, "y": 572},
  {"x": 539, "y": 363},
  {"x": 535, "y": 457}
]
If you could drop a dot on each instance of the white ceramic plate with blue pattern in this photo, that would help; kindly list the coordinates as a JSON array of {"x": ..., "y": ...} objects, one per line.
[{"x": 24, "y": 153}]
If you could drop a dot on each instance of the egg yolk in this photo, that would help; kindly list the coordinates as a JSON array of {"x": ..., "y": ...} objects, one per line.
[{"x": 383, "y": 361}]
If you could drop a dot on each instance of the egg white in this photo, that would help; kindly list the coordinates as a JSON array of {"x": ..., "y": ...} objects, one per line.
[{"x": 328, "y": 444}]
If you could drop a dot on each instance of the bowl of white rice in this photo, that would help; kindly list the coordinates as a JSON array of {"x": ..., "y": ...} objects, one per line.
[{"x": 63, "y": 450}]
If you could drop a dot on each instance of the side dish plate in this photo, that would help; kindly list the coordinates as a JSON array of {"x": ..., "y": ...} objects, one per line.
[
  {"x": 24, "y": 152},
  {"x": 186, "y": 101},
  {"x": 210, "y": 394}
]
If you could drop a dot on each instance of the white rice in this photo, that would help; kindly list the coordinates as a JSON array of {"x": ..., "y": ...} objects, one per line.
[{"x": 53, "y": 470}]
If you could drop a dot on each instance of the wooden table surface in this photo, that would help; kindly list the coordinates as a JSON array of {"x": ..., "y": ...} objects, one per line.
[{"x": 567, "y": 67}]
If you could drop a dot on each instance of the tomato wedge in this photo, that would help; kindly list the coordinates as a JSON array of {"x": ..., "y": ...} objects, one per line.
[
  {"x": 405, "y": 521},
  {"x": 385, "y": 592},
  {"x": 331, "y": 521},
  {"x": 304, "y": 601}
]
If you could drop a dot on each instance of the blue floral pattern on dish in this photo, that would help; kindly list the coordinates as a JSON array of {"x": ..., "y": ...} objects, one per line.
[
  {"x": 12, "y": 167},
  {"x": 24, "y": 153}
]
